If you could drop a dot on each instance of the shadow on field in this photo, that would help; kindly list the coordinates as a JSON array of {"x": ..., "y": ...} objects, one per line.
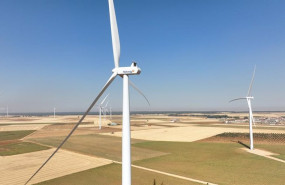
[{"x": 243, "y": 144}]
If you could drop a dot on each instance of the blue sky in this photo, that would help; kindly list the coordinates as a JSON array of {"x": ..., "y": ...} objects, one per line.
[{"x": 194, "y": 55}]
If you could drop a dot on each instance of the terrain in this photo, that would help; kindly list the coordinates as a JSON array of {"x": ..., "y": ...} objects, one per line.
[{"x": 188, "y": 148}]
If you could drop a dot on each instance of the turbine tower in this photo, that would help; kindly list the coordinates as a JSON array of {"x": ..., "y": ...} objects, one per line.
[
  {"x": 123, "y": 72},
  {"x": 248, "y": 98}
]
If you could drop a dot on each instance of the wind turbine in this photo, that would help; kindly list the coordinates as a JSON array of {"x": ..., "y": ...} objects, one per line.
[
  {"x": 248, "y": 98},
  {"x": 101, "y": 108},
  {"x": 54, "y": 112},
  {"x": 106, "y": 110},
  {"x": 123, "y": 72}
]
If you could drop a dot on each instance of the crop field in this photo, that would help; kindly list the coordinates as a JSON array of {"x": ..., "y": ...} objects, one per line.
[
  {"x": 217, "y": 162},
  {"x": 260, "y": 138},
  {"x": 200, "y": 150},
  {"x": 17, "y": 169},
  {"x": 11, "y": 135},
  {"x": 11, "y": 145},
  {"x": 221, "y": 163},
  {"x": 20, "y": 148},
  {"x": 274, "y": 143},
  {"x": 111, "y": 175},
  {"x": 245, "y": 126},
  {"x": 99, "y": 145}
]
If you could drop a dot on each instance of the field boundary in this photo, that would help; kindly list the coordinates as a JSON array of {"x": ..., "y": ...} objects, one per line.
[
  {"x": 170, "y": 174},
  {"x": 263, "y": 153}
]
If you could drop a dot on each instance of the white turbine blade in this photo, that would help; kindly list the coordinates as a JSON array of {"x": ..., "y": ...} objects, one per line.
[
  {"x": 107, "y": 103},
  {"x": 75, "y": 127},
  {"x": 237, "y": 99},
  {"x": 139, "y": 91},
  {"x": 252, "y": 80},
  {"x": 104, "y": 99},
  {"x": 115, "y": 34}
]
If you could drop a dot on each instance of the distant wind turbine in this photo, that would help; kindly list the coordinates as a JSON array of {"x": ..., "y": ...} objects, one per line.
[
  {"x": 101, "y": 109},
  {"x": 106, "y": 110},
  {"x": 248, "y": 98},
  {"x": 123, "y": 72}
]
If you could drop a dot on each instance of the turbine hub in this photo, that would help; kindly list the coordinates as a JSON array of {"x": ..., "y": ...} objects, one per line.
[{"x": 132, "y": 70}]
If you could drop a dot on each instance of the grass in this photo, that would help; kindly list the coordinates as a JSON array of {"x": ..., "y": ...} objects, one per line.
[
  {"x": 111, "y": 175},
  {"x": 19, "y": 148},
  {"x": 221, "y": 163},
  {"x": 109, "y": 147},
  {"x": 12, "y": 135},
  {"x": 271, "y": 142}
]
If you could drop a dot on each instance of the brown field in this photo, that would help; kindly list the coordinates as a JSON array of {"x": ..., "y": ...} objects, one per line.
[
  {"x": 64, "y": 129},
  {"x": 186, "y": 133},
  {"x": 22, "y": 127},
  {"x": 18, "y": 168}
]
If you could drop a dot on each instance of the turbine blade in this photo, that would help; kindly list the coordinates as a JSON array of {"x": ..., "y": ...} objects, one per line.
[
  {"x": 104, "y": 99},
  {"x": 75, "y": 127},
  {"x": 115, "y": 34},
  {"x": 139, "y": 91},
  {"x": 252, "y": 80},
  {"x": 107, "y": 104},
  {"x": 237, "y": 99}
]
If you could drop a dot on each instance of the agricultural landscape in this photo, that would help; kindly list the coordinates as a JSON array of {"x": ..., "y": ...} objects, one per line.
[
  {"x": 200, "y": 98},
  {"x": 172, "y": 148}
]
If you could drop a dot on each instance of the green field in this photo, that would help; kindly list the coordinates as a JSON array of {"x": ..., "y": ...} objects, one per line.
[
  {"x": 11, "y": 135},
  {"x": 221, "y": 163},
  {"x": 99, "y": 145},
  {"x": 20, "y": 148},
  {"x": 111, "y": 175}
]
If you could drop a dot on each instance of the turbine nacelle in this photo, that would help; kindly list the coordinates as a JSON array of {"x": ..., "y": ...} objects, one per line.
[
  {"x": 250, "y": 97},
  {"x": 132, "y": 70}
]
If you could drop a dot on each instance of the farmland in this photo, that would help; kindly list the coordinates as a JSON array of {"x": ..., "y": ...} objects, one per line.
[{"x": 191, "y": 148}]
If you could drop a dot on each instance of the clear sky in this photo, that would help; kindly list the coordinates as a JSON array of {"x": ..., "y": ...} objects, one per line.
[{"x": 194, "y": 54}]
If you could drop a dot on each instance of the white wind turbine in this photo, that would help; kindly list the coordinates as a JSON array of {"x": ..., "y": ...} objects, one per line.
[
  {"x": 123, "y": 72},
  {"x": 248, "y": 98},
  {"x": 106, "y": 110},
  {"x": 101, "y": 108}
]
